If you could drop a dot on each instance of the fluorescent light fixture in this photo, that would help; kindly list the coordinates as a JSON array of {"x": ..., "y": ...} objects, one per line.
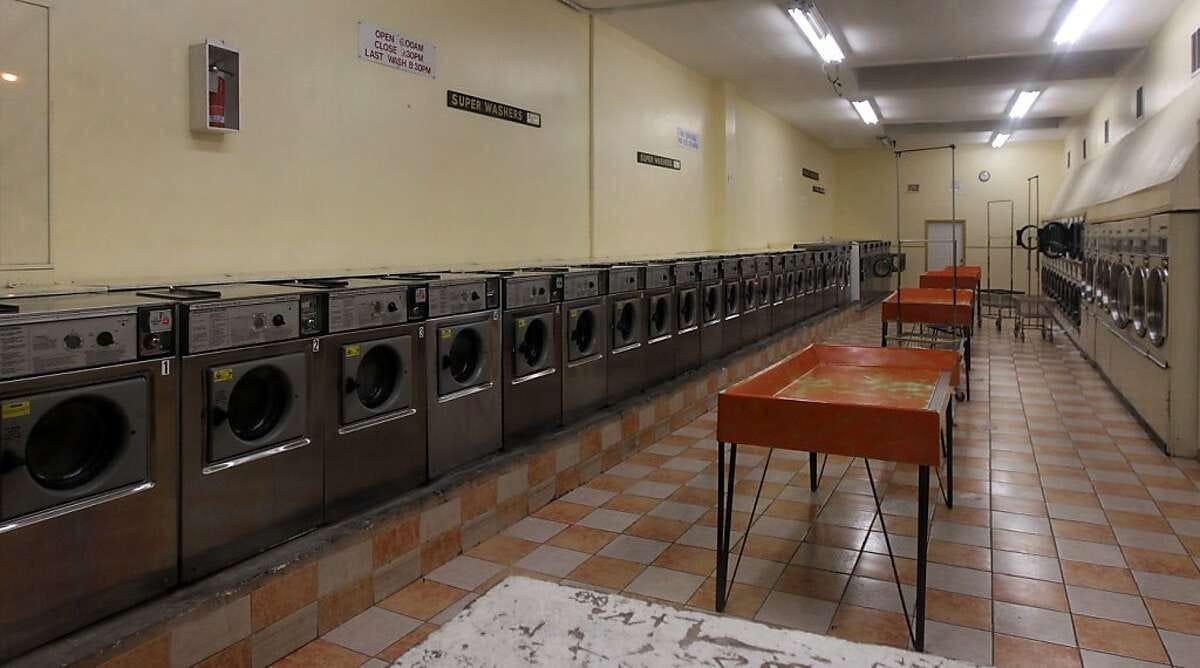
[
  {"x": 1000, "y": 139},
  {"x": 1024, "y": 102},
  {"x": 9, "y": 77},
  {"x": 865, "y": 111},
  {"x": 1078, "y": 19},
  {"x": 817, "y": 31}
]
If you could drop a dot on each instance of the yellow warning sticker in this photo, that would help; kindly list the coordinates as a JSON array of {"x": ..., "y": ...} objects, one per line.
[
  {"x": 353, "y": 351},
  {"x": 521, "y": 322},
  {"x": 222, "y": 375},
  {"x": 447, "y": 333},
  {"x": 15, "y": 409}
]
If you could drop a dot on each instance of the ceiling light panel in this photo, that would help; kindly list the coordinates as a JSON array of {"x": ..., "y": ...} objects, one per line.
[
  {"x": 1082, "y": 13},
  {"x": 1000, "y": 139},
  {"x": 866, "y": 111},
  {"x": 1024, "y": 103},
  {"x": 817, "y": 31}
]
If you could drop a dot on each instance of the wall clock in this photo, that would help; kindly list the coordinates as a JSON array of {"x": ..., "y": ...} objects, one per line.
[{"x": 985, "y": 176}]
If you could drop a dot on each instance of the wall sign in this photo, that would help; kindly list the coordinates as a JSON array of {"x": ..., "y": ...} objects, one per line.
[
  {"x": 812, "y": 174},
  {"x": 397, "y": 51},
  {"x": 659, "y": 161},
  {"x": 914, "y": 187},
  {"x": 687, "y": 139},
  {"x": 483, "y": 107},
  {"x": 819, "y": 190}
]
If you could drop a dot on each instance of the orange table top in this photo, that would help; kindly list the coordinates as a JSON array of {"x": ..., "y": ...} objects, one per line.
[
  {"x": 881, "y": 403},
  {"x": 930, "y": 306},
  {"x": 963, "y": 269},
  {"x": 947, "y": 280}
]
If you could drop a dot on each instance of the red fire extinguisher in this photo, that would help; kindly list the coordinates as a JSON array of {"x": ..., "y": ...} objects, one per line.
[{"x": 216, "y": 98}]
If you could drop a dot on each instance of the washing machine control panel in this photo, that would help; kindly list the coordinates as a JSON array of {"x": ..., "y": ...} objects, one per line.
[
  {"x": 533, "y": 290},
  {"x": 686, "y": 273},
  {"x": 625, "y": 279},
  {"x": 360, "y": 309},
  {"x": 221, "y": 325},
  {"x": 584, "y": 284},
  {"x": 46, "y": 346},
  {"x": 464, "y": 297},
  {"x": 710, "y": 270},
  {"x": 658, "y": 276}
]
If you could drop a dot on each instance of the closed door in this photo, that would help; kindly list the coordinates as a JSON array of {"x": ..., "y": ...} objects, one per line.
[{"x": 946, "y": 244}]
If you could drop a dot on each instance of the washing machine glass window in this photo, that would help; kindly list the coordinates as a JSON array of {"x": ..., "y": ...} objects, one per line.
[
  {"x": 582, "y": 333},
  {"x": 62, "y": 446},
  {"x": 732, "y": 299},
  {"x": 660, "y": 316},
  {"x": 750, "y": 292},
  {"x": 1156, "y": 306},
  {"x": 1137, "y": 301},
  {"x": 1101, "y": 279},
  {"x": 255, "y": 404},
  {"x": 712, "y": 303},
  {"x": 376, "y": 378},
  {"x": 533, "y": 343},
  {"x": 1122, "y": 287},
  {"x": 687, "y": 308},
  {"x": 462, "y": 355},
  {"x": 625, "y": 321},
  {"x": 258, "y": 400}
]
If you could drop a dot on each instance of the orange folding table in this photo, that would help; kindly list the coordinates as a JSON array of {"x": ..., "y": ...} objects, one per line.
[
  {"x": 943, "y": 310},
  {"x": 964, "y": 277},
  {"x": 875, "y": 403}
]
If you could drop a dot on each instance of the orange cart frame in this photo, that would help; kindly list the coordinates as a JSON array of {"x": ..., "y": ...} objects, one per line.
[{"x": 937, "y": 307}]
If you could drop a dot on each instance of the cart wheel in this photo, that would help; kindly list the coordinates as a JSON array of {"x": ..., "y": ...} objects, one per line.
[
  {"x": 960, "y": 396},
  {"x": 1043, "y": 335},
  {"x": 998, "y": 324},
  {"x": 1022, "y": 336}
]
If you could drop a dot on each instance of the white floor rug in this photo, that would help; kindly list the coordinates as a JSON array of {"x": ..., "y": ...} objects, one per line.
[{"x": 526, "y": 622}]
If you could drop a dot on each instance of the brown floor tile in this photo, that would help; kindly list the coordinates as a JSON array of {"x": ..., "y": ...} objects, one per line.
[
  {"x": 739, "y": 522},
  {"x": 1191, "y": 543},
  {"x": 812, "y": 582},
  {"x": 1070, "y": 498},
  {"x": 422, "y": 599},
  {"x": 1138, "y": 642},
  {"x": 1182, "y": 511},
  {"x": 879, "y": 567},
  {"x": 871, "y": 626},
  {"x": 648, "y": 459},
  {"x": 1108, "y": 578},
  {"x": 502, "y": 549},
  {"x": 670, "y": 475},
  {"x": 696, "y": 560},
  {"x": 1140, "y": 521},
  {"x": 414, "y": 638},
  {"x": 1160, "y": 562},
  {"x": 563, "y": 511},
  {"x": 582, "y": 539},
  {"x": 627, "y": 503},
  {"x": 775, "y": 549},
  {"x": 1121, "y": 489},
  {"x": 1093, "y": 533},
  {"x": 1174, "y": 616},
  {"x": 791, "y": 510},
  {"x": 963, "y": 515},
  {"x": 956, "y": 554},
  {"x": 835, "y": 536},
  {"x": 606, "y": 572},
  {"x": 1011, "y": 504},
  {"x": 1026, "y": 591},
  {"x": 960, "y": 609},
  {"x": 322, "y": 654},
  {"x": 744, "y": 600},
  {"x": 611, "y": 483},
  {"x": 770, "y": 490},
  {"x": 695, "y": 496},
  {"x": 657, "y": 528},
  {"x": 1025, "y": 543}
]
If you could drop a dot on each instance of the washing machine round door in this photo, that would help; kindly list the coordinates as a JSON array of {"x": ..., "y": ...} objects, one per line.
[
  {"x": 1156, "y": 306},
  {"x": 778, "y": 287},
  {"x": 256, "y": 403},
  {"x": 751, "y": 293},
  {"x": 1122, "y": 295},
  {"x": 687, "y": 308},
  {"x": 376, "y": 377},
  {"x": 532, "y": 335},
  {"x": 463, "y": 354},
  {"x": 582, "y": 333},
  {"x": 660, "y": 316},
  {"x": 625, "y": 323},
  {"x": 712, "y": 303},
  {"x": 1137, "y": 301},
  {"x": 731, "y": 299},
  {"x": 74, "y": 442},
  {"x": 1102, "y": 276}
]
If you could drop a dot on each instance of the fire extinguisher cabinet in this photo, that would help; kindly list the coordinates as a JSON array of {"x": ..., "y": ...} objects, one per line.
[{"x": 216, "y": 86}]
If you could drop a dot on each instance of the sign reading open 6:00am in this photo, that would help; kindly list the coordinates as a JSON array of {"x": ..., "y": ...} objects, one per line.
[{"x": 397, "y": 51}]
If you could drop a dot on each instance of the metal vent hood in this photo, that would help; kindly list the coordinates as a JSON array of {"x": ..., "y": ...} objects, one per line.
[{"x": 1157, "y": 162}]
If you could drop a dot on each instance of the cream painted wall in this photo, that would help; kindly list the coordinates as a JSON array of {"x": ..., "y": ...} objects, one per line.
[
  {"x": 865, "y": 206},
  {"x": 773, "y": 204},
  {"x": 641, "y": 98},
  {"x": 1163, "y": 70}
]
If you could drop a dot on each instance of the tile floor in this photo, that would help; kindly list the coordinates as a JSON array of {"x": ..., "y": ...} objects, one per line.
[{"x": 1074, "y": 540}]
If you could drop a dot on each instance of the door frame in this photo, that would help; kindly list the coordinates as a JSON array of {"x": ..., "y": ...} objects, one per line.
[{"x": 962, "y": 240}]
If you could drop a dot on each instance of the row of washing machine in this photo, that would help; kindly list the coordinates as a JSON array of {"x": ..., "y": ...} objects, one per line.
[{"x": 151, "y": 437}]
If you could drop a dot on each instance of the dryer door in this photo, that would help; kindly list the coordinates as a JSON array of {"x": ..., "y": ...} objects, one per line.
[
  {"x": 733, "y": 299},
  {"x": 688, "y": 312},
  {"x": 463, "y": 352},
  {"x": 584, "y": 332},
  {"x": 1122, "y": 282},
  {"x": 660, "y": 320},
  {"x": 255, "y": 404},
  {"x": 1156, "y": 306},
  {"x": 712, "y": 303},
  {"x": 627, "y": 323},
  {"x": 1137, "y": 300},
  {"x": 750, "y": 293},
  {"x": 376, "y": 378},
  {"x": 58, "y": 447},
  {"x": 533, "y": 336}
]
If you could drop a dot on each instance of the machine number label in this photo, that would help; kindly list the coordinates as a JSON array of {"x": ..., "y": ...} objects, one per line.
[
  {"x": 353, "y": 351},
  {"x": 222, "y": 375},
  {"x": 316, "y": 347},
  {"x": 421, "y": 332},
  {"x": 15, "y": 409},
  {"x": 165, "y": 368}
]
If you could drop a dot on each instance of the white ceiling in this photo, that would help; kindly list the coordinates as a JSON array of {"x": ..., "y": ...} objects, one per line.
[{"x": 923, "y": 61}]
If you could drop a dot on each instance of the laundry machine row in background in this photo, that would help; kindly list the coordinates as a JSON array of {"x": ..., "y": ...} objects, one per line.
[{"x": 171, "y": 431}]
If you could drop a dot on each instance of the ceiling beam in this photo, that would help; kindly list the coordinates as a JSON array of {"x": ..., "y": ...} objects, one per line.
[
  {"x": 1005, "y": 70},
  {"x": 984, "y": 125}
]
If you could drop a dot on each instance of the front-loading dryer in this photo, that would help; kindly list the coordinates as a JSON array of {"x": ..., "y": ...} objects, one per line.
[
  {"x": 89, "y": 461},
  {"x": 712, "y": 310},
  {"x": 731, "y": 324},
  {"x": 627, "y": 331},
  {"x": 748, "y": 270},
  {"x": 370, "y": 390},
  {"x": 766, "y": 296},
  {"x": 531, "y": 326},
  {"x": 660, "y": 323},
  {"x": 791, "y": 287},
  {"x": 779, "y": 302},
  {"x": 462, "y": 367},
  {"x": 251, "y": 448},
  {"x": 689, "y": 311},
  {"x": 583, "y": 344}
]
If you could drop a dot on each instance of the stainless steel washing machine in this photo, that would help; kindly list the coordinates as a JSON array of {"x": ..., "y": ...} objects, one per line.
[
  {"x": 1157, "y": 293},
  {"x": 731, "y": 324},
  {"x": 627, "y": 331},
  {"x": 370, "y": 383},
  {"x": 791, "y": 287},
  {"x": 689, "y": 311},
  {"x": 584, "y": 341},
  {"x": 532, "y": 328},
  {"x": 844, "y": 276},
  {"x": 660, "y": 323},
  {"x": 805, "y": 276},
  {"x": 766, "y": 297},
  {"x": 89, "y": 461},
  {"x": 712, "y": 310},
  {"x": 251, "y": 448},
  {"x": 750, "y": 328},
  {"x": 462, "y": 367}
]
